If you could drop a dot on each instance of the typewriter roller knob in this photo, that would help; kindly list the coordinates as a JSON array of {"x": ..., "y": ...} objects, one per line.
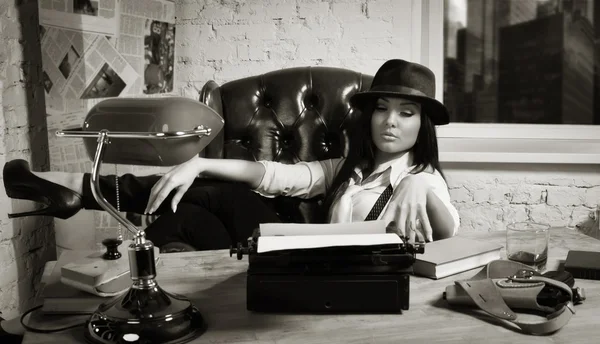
[
  {"x": 419, "y": 247},
  {"x": 239, "y": 250}
]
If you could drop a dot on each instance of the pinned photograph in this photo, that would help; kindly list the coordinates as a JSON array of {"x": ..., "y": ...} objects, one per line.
[
  {"x": 87, "y": 7},
  {"x": 159, "y": 57},
  {"x": 107, "y": 83},
  {"x": 68, "y": 62}
]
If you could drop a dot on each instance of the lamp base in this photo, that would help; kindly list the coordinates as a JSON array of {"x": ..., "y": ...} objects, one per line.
[{"x": 145, "y": 315}]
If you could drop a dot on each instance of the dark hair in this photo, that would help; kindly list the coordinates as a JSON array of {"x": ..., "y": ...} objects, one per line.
[{"x": 361, "y": 153}]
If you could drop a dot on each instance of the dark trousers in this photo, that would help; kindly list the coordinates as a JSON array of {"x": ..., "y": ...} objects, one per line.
[{"x": 211, "y": 215}]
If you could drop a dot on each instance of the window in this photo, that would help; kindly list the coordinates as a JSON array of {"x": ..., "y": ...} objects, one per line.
[
  {"x": 522, "y": 61},
  {"x": 520, "y": 78}
]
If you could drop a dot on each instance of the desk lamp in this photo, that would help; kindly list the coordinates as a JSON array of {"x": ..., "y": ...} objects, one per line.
[{"x": 144, "y": 131}]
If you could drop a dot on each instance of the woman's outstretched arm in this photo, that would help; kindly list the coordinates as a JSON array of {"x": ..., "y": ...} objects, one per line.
[{"x": 181, "y": 177}]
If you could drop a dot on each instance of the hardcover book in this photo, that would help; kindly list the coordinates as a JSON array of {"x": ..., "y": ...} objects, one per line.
[{"x": 450, "y": 256}]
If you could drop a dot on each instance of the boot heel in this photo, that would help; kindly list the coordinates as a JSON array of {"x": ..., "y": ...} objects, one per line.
[
  {"x": 20, "y": 183},
  {"x": 44, "y": 211}
]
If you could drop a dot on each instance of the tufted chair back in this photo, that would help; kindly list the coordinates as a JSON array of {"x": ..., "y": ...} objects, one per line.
[{"x": 288, "y": 115}]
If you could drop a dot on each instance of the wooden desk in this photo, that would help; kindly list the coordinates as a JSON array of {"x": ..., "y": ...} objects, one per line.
[{"x": 216, "y": 284}]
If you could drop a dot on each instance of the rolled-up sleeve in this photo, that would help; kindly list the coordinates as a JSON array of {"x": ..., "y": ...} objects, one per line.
[
  {"x": 303, "y": 179},
  {"x": 440, "y": 188}
]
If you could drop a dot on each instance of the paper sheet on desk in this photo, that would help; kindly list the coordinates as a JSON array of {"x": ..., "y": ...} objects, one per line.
[
  {"x": 364, "y": 227},
  {"x": 278, "y": 237}
]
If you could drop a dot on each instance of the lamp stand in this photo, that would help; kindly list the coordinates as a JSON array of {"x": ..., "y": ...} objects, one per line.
[{"x": 145, "y": 313}]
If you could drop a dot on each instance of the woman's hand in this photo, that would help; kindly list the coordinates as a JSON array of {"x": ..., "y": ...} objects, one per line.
[
  {"x": 180, "y": 177},
  {"x": 408, "y": 208}
]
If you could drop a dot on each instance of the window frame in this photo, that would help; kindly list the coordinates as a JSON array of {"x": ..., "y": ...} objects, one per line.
[{"x": 497, "y": 142}]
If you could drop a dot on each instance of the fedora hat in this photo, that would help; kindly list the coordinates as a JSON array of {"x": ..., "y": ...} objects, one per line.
[{"x": 399, "y": 78}]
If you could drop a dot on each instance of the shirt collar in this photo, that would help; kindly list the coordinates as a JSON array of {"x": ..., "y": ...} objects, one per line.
[{"x": 398, "y": 167}]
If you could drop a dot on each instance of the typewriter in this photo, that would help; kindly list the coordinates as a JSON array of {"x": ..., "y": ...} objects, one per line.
[{"x": 338, "y": 279}]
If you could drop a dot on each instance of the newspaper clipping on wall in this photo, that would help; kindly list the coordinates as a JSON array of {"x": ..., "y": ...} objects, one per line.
[
  {"x": 107, "y": 48},
  {"x": 96, "y": 49}
]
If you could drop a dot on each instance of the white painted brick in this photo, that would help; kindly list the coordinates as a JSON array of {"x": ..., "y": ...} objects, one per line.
[
  {"x": 285, "y": 50},
  {"x": 16, "y": 116},
  {"x": 231, "y": 31},
  {"x": 191, "y": 34},
  {"x": 221, "y": 51},
  {"x": 323, "y": 28},
  {"x": 215, "y": 13},
  {"x": 252, "y": 12},
  {"x": 365, "y": 28},
  {"x": 591, "y": 178},
  {"x": 188, "y": 91},
  {"x": 281, "y": 9},
  {"x": 15, "y": 95},
  {"x": 186, "y": 10},
  {"x": 580, "y": 215},
  {"x": 18, "y": 142},
  {"x": 480, "y": 218},
  {"x": 243, "y": 52},
  {"x": 461, "y": 195},
  {"x": 14, "y": 75},
  {"x": 514, "y": 213},
  {"x": 492, "y": 196},
  {"x": 9, "y": 273},
  {"x": 232, "y": 72},
  {"x": 380, "y": 47},
  {"x": 592, "y": 197},
  {"x": 554, "y": 216},
  {"x": 313, "y": 50},
  {"x": 313, "y": 8},
  {"x": 7, "y": 254},
  {"x": 193, "y": 71},
  {"x": 349, "y": 11},
  {"x": 297, "y": 32},
  {"x": 257, "y": 52},
  {"x": 565, "y": 196},
  {"x": 261, "y": 31},
  {"x": 382, "y": 9},
  {"x": 528, "y": 194}
]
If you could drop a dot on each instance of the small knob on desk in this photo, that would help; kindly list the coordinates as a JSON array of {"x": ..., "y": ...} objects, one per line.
[
  {"x": 112, "y": 248},
  {"x": 239, "y": 250}
]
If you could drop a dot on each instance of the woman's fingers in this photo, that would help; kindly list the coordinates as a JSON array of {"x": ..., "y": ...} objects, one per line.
[
  {"x": 178, "y": 196},
  {"x": 402, "y": 214},
  {"x": 411, "y": 219},
  {"x": 425, "y": 224},
  {"x": 159, "y": 192}
]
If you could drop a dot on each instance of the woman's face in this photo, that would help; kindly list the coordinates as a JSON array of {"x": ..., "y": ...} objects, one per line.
[{"x": 395, "y": 125}]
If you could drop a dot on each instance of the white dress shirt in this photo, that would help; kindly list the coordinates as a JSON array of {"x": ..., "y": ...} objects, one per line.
[{"x": 310, "y": 179}]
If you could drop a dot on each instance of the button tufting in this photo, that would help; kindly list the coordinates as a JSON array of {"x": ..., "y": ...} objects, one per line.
[
  {"x": 245, "y": 142},
  {"x": 311, "y": 101},
  {"x": 267, "y": 101},
  {"x": 286, "y": 139}
]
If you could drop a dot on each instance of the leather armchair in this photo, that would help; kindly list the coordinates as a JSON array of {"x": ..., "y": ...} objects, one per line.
[{"x": 289, "y": 115}]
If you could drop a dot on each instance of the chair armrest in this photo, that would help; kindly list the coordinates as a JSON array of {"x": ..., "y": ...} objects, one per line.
[{"x": 210, "y": 94}]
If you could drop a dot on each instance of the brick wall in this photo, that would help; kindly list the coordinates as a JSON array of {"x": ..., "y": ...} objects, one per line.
[
  {"x": 488, "y": 196},
  {"x": 225, "y": 40},
  {"x": 26, "y": 243}
]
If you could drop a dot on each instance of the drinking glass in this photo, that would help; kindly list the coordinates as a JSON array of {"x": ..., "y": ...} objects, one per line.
[{"x": 527, "y": 243}]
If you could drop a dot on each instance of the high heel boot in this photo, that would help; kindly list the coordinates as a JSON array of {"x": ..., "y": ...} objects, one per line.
[{"x": 20, "y": 183}]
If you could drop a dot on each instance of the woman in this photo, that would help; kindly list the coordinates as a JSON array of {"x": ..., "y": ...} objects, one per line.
[
  {"x": 397, "y": 151},
  {"x": 397, "y": 147}
]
